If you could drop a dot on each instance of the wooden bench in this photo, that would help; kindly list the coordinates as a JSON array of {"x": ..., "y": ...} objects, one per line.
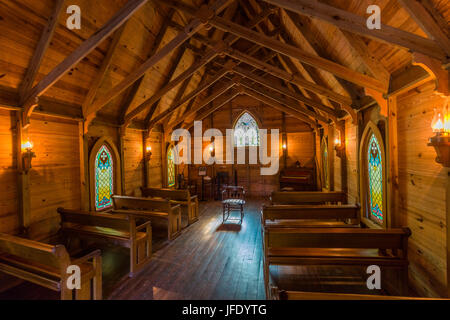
[
  {"x": 308, "y": 197},
  {"x": 347, "y": 215},
  {"x": 336, "y": 246},
  {"x": 151, "y": 209},
  {"x": 303, "y": 295},
  {"x": 188, "y": 203},
  {"x": 121, "y": 230},
  {"x": 46, "y": 265}
]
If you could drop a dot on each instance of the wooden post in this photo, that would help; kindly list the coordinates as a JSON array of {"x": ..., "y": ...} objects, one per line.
[
  {"x": 448, "y": 233},
  {"x": 330, "y": 145},
  {"x": 22, "y": 178},
  {"x": 392, "y": 156},
  {"x": 84, "y": 167},
  {"x": 145, "y": 167},
  {"x": 284, "y": 139},
  {"x": 122, "y": 132}
]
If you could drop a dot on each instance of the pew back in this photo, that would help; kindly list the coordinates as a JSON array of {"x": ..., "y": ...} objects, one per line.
[
  {"x": 145, "y": 204},
  {"x": 105, "y": 220},
  {"x": 320, "y": 212},
  {"x": 171, "y": 194},
  {"x": 308, "y": 197}
]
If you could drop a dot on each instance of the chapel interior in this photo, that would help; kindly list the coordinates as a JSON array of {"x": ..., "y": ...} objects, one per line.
[{"x": 314, "y": 139}]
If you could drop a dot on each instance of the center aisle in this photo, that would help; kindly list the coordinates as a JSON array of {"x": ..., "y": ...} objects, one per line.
[{"x": 207, "y": 261}]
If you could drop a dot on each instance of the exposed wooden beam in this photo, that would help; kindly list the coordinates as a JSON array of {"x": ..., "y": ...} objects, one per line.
[
  {"x": 40, "y": 50},
  {"x": 180, "y": 94},
  {"x": 282, "y": 74},
  {"x": 429, "y": 22},
  {"x": 290, "y": 103},
  {"x": 172, "y": 84},
  {"x": 283, "y": 90},
  {"x": 280, "y": 107},
  {"x": 357, "y": 24},
  {"x": 96, "y": 83},
  {"x": 411, "y": 77},
  {"x": 193, "y": 27},
  {"x": 82, "y": 51}
]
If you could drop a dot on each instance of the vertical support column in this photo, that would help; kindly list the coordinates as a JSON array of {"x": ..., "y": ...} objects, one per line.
[
  {"x": 23, "y": 178},
  {"x": 145, "y": 167},
  {"x": 331, "y": 135},
  {"x": 343, "y": 155},
  {"x": 122, "y": 132},
  {"x": 84, "y": 167},
  {"x": 284, "y": 139},
  {"x": 448, "y": 232},
  {"x": 392, "y": 161}
]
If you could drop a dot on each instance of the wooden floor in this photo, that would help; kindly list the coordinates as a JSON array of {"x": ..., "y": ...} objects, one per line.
[{"x": 208, "y": 261}]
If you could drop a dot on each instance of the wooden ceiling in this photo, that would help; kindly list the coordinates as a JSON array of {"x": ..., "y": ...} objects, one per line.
[{"x": 140, "y": 63}]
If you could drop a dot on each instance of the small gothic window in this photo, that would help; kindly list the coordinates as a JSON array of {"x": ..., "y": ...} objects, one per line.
[
  {"x": 104, "y": 178},
  {"x": 246, "y": 131},
  {"x": 170, "y": 167},
  {"x": 375, "y": 179}
]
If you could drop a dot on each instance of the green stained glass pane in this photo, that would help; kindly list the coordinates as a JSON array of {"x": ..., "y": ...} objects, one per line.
[
  {"x": 375, "y": 175},
  {"x": 104, "y": 178},
  {"x": 170, "y": 168}
]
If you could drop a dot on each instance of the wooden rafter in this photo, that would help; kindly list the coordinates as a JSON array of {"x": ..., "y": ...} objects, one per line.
[
  {"x": 30, "y": 102},
  {"x": 357, "y": 24},
  {"x": 429, "y": 21},
  {"x": 41, "y": 48},
  {"x": 96, "y": 83},
  {"x": 190, "y": 29}
]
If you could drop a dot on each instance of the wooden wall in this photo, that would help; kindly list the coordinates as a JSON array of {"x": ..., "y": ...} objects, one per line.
[
  {"x": 9, "y": 219},
  {"x": 422, "y": 188}
]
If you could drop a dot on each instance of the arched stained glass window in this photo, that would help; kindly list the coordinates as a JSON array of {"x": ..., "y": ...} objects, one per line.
[
  {"x": 375, "y": 179},
  {"x": 170, "y": 167},
  {"x": 246, "y": 131},
  {"x": 104, "y": 178}
]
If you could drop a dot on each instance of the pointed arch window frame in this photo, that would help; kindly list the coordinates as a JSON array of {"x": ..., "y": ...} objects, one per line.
[
  {"x": 325, "y": 164},
  {"x": 258, "y": 124},
  {"x": 366, "y": 217},
  {"x": 171, "y": 148},
  {"x": 117, "y": 175}
]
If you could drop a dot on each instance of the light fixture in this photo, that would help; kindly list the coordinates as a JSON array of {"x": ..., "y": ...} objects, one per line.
[
  {"x": 441, "y": 140},
  {"x": 148, "y": 153},
  {"x": 338, "y": 145},
  {"x": 27, "y": 155},
  {"x": 284, "y": 146}
]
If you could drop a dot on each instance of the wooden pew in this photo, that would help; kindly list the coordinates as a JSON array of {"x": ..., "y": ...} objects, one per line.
[
  {"x": 303, "y": 295},
  {"x": 46, "y": 265},
  {"x": 308, "y": 197},
  {"x": 336, "y": 246},
  {"x": 151, "y": 209},
  {"x": 347, "y": 215},
  {"x": 188, "y": 203},
  {"x": 121, "y": 230}
]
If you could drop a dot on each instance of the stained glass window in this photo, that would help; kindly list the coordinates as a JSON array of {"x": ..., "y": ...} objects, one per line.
[
  {"x": 170, "y": 168},
  {"x": 325, "y": 163},
  {"x": 104, "y": 178},
  {"x": 375, "y": 175},
  {"x": 246, "y": 131}
]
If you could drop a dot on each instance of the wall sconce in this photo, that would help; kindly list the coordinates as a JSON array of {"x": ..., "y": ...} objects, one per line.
[
  {"x": 284, "y": 146},
  {"x": 338, "y": 145},
  {"x": 148, "y": 153},
  {"x": 27, "y": 155},
  {"x": 441, "y": 140}
]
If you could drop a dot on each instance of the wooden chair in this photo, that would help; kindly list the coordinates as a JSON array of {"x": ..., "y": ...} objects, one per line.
[
  {"x": 331, "y": 216},
  {"x": 121, "y": 230},
  {"x": 46, "y": 265},
  {"x": 233, "y": 198},
  {"x": 308, "y": 197},
  {"x": 188, "y": 203},
  {"x": 336, "y": 246},
  {"x": 151, "y": 209}
]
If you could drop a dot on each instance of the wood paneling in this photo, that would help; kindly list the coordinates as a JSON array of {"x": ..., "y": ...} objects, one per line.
[
  {"x": 9, "y": 216},
  {"x": 422, "y": 190},
  {"x": 134, "y": 162}
]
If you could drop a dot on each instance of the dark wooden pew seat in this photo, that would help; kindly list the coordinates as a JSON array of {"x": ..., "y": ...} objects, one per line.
[
  {"x": 328, "y": 216},
  {"x": 188, "y": 203},
  {"x": 121, "y": 230},
  {"x": 336, "y": 246},
  {"x": 308, "y": 197},
  {"x": 149, "y": 208},
  {"x": 46, "y": 265}
]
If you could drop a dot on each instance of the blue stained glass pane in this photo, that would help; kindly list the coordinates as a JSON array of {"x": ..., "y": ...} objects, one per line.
[
  {"x": 246, "y": 131},
  {"x": 104, "y": 178},
  {"x": 375, "y": 174}
]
